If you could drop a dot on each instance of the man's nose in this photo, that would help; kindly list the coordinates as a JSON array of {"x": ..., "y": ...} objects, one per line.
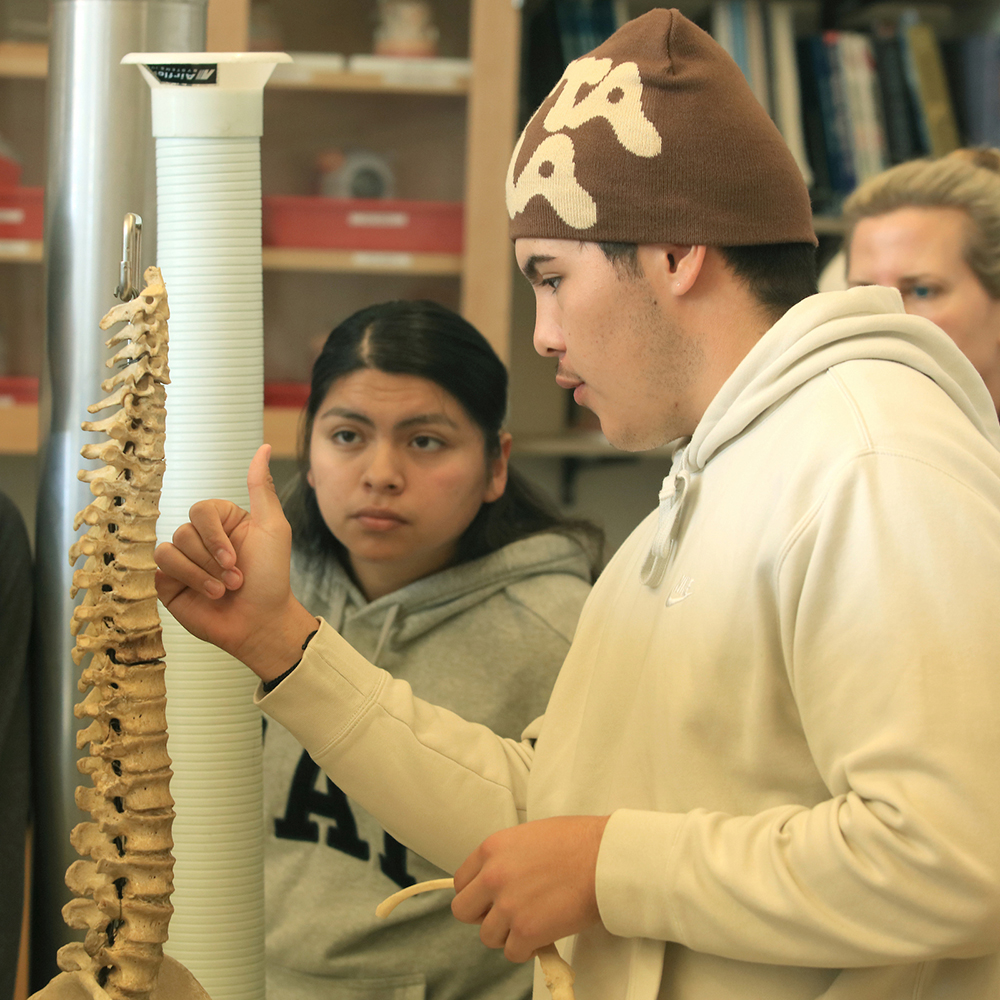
[{"x": 547, "y": 338}]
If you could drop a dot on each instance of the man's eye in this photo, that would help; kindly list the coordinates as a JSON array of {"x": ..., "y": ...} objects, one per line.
[
  {"x": 552, "y": 283},
  {"x": 922, "y": 292}
]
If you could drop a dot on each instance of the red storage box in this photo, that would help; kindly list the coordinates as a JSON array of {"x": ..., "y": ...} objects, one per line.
[
  {"x": 294, "y": 394},
  {"x": 362, "y": 224},
  {"x": 18, "y": 390},
  {"x": 21, "y": 213}
]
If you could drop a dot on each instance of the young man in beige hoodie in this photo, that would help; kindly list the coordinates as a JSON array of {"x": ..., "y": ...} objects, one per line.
[{"x": 767, "y": 768}]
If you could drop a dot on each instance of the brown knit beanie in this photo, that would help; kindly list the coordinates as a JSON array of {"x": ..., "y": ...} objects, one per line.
[{"x": 656, "y": 137}]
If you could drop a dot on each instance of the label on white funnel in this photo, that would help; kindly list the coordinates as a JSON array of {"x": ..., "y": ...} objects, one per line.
[
  {"x": 186, "y": 75},
  {"x": 219, "y": 96}
]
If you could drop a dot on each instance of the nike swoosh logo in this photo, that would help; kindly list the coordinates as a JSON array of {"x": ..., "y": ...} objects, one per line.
[{"x": 681, "y": 592}]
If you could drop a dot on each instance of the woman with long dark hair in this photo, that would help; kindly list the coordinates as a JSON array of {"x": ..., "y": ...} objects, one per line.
[{"x": 435, "y": 560}]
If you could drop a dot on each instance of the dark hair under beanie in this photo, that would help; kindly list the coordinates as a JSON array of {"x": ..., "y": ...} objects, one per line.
[{"x": 656, "y": 137}]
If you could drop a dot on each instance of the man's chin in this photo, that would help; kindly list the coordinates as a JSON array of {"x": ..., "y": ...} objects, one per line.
[{"x": 629, "y": 439}]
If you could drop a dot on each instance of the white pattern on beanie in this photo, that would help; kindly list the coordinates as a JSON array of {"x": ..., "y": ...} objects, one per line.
[
  {"x": 617, "y": 97},
  {"x": 551, "y": 174}
]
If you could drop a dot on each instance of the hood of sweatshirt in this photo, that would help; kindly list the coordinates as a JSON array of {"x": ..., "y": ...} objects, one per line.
[
  {"x": 415, "y": 609},
  {"x": 819, "y": 332}
]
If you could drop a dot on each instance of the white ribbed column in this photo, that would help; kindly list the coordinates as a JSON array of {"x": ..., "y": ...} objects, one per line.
[{"x": 209, "y": 251}]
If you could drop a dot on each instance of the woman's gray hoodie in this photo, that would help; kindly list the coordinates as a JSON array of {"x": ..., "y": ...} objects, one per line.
[{"x": 484, "y": 639}]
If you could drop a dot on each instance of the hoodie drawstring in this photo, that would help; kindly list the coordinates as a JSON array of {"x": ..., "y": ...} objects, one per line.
[
  {"x": 672, "y": 494},
  {"x": 390, "y": 620},
  {"x": 334, "y": 613}
]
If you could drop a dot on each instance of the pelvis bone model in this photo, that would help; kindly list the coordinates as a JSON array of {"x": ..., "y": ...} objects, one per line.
[{"x": 124, "y": 888}]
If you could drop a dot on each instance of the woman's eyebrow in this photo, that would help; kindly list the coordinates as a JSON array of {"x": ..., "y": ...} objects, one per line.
[
  {"x": 346, "y": 414},
  {"x": 422, "y": 419},
  {"x": 912, "y": 278}
]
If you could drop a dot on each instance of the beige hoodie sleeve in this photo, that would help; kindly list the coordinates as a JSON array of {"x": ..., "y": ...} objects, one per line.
[{"x": 438, "y": 784}]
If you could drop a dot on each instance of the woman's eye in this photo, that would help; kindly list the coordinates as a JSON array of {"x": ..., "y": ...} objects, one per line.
[
  {"x": 424, "y": 442},
  {"x": 344, "y": 436},
  {"x": 922, "y": 292}
]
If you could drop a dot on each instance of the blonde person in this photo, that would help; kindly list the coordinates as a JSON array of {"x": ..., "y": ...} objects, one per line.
[
  {"x": 931, "y": 228},
  {"x": 768, "y": 765},
  {"x": 418, "y": 543}
]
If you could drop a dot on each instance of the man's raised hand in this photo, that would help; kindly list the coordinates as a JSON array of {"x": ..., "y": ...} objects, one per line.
[{"x": 225, "y": 577}]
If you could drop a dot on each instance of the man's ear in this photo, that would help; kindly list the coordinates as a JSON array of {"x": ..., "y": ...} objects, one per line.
[{"x": 675, "y": 267}]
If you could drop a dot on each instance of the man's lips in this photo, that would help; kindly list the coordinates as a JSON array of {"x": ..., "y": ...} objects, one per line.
[{"x": 565, "y": 380}]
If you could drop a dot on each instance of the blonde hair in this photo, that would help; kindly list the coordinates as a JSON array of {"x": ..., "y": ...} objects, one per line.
[{"x": 967, "y": 179}]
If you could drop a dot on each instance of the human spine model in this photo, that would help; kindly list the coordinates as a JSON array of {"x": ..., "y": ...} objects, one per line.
[{"x": 124, "y": 889}]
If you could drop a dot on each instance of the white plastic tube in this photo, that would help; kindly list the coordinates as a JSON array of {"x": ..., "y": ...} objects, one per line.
[{"x": 209, "y": 251}]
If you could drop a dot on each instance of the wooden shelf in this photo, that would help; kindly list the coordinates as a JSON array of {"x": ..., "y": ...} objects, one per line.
[
  {"x": 290, "y": 77},
  {"x": 361, "y": 261},
  {"x": 19, "y": 429},
  {"x": 829, "y": 225},
  {"x": 21, "y": 251},
  {"x": 26, "y": 60},
  {"x": 295, "y": 259},
  {"x": 577, "y": 444}
]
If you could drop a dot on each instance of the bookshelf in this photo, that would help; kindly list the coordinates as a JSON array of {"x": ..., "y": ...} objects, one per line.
[{"x": 454, "y": 126}]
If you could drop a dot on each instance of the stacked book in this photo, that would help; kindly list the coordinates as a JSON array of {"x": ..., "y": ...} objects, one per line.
[{"x": 851, "y": 103}]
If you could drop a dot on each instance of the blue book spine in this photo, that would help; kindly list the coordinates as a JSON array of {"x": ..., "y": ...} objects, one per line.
[
  {"x": 740, "y": 53},
  {"x": 841, "y": 115}
]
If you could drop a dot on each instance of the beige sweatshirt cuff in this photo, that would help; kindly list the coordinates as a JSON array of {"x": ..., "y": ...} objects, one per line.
[
  {"x": 634, "y": 874},
  {"x": 322, "y": 699}
]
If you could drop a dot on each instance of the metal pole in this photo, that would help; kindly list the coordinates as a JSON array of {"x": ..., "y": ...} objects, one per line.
[{"x": 100, "y": 166}]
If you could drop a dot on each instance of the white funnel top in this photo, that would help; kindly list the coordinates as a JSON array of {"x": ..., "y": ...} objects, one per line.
[{"x": 207, "y": 94}]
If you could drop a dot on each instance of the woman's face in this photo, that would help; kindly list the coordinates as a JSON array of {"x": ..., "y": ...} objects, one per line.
[
  {"x": 921, "y": 251},
  {"x": 399, "y": 471}
]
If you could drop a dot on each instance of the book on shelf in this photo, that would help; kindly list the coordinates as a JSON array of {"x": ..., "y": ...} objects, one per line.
[
  {"x": 814, "y": 127},
  {"x": 842, "y": 132},
  {"x": 979, "y": 82},
  {"x": 558, "y": 31},
  {"x": 574, "y": 29},
  {"x": 901, "y": 130},
  {"x": 863, "y": 99},
  {"x": 786, "y": 91},
  {"x": 730, "y": 30},
  {"x": 757, "y": 54},
  {"x": 925, "y": 73}
]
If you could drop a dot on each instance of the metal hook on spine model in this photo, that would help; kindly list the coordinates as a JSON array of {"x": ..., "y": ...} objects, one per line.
[{"x": 131, "y": 264}]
